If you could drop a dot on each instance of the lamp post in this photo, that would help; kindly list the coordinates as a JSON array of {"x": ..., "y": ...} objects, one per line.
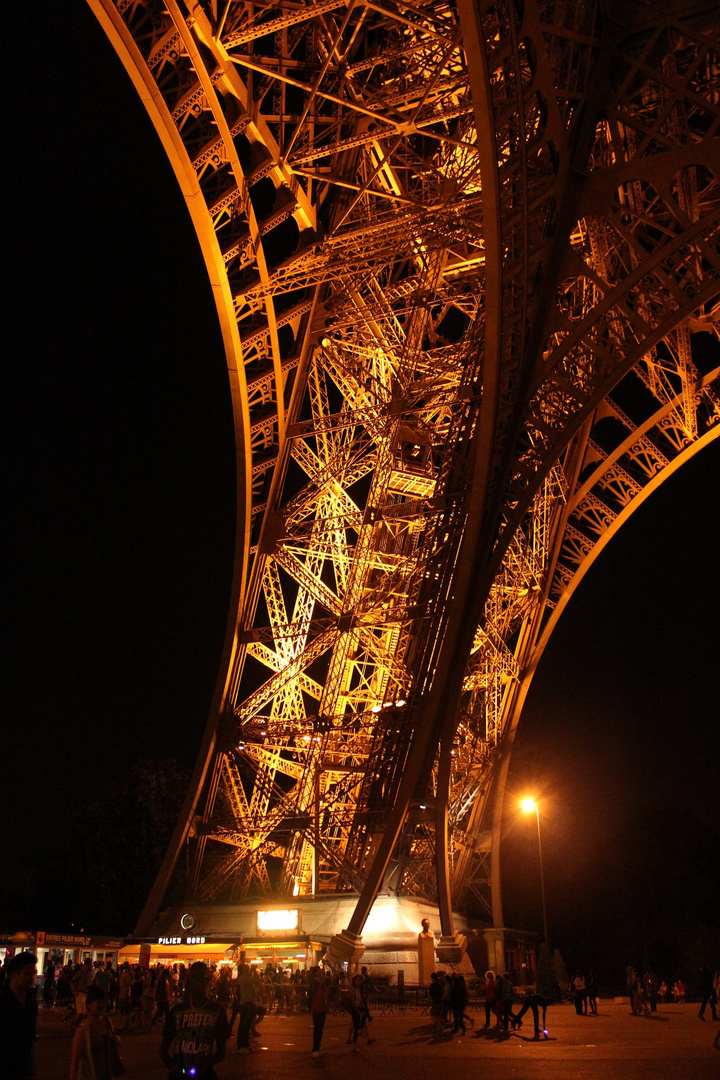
[{"x": 528, "y": 806}]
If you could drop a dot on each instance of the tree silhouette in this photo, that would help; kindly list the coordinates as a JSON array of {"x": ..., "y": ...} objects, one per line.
[{"x": 122, "y": 838}]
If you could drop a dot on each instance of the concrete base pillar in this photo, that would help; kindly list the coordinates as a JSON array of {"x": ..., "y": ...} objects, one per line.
[
  {"x": 451, "y": 949},
  {"x": 345, "y": 948},
  {"x": 426, "y": 958},
  {"x": 495, "y": 941}
]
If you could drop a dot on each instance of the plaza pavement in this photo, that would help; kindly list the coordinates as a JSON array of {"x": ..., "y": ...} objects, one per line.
[{"x": 673, "y": 1045}]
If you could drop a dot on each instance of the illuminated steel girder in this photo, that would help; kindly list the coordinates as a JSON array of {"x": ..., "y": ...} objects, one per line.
[{"x": 461, "y": 255}]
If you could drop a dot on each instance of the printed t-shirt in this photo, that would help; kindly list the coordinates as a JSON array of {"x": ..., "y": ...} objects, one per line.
[{"x": 194, "y": 1032}]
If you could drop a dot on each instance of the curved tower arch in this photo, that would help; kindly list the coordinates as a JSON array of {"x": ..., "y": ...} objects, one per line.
[
  {"x": 446, "y": 243},
  {"x": 609, "y": 485}
]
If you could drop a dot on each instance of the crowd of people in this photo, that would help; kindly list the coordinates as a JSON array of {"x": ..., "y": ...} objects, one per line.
[
  {"x": 499, "y": 994},
  {"x": 449, "y": 1000},
  {"x": 196, "y": 1008},
  {"x": 645, "y": 991}
]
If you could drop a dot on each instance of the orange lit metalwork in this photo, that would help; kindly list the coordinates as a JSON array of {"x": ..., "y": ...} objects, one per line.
[{"x": 462, "y": 255}]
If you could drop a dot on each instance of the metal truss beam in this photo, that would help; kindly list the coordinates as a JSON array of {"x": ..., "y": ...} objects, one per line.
[{"x": 451, "y": 246}]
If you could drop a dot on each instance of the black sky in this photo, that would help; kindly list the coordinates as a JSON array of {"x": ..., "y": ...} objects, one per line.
[
  {"x": 119, "y": 451},
  {"x": 119, "y": 466}
]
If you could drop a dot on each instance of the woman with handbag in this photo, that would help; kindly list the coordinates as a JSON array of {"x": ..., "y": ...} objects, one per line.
[{"x": 95, "y": 1053}]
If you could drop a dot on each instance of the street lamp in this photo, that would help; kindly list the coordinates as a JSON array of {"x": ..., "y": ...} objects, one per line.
[{"x": 528, "y": 805}]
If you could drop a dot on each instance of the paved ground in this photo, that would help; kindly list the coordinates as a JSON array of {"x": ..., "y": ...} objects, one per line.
[{"x": 675, "y": 1045}]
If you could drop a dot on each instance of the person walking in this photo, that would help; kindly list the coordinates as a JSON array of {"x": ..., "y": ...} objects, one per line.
[
  {"x": 360, "y": 1012},
  {"x": 458, "y": 1004},
  {"x": 49, "y": 984},
  {"x": 651, "y": 989},
  {"x": 62, "y": 990},
  {"x": 105, "y": 979},
  {"x": 367, "y": 987},
  {"x": 125, "y": 980},
  {"x": 580, "y": 989},
  {"x": 95, "y": 1051},
  {"x": 591, "y": 987},
  {"x": 707, "y": 993},
  {"x": 18, "y": 1018},
  {"x": 446, "y": 987},
  {"x": 223, "y": 989},
  {"x": 319, "y": 1008},
  {"x": 80, "y": 983},
  {"x": 490, "y": 988},
  {"x": 162, "y": 996},
  {"x": 346, "y": 1002},
  {"x": 640, "y": 998},
  {"x": 246, "y": 997},
  {"x": 504, "y": 997},
  {"x": 436, "y": 1009},
  {"x": 196, "y": 1031},
  {"x": 535, "y": 1002}
]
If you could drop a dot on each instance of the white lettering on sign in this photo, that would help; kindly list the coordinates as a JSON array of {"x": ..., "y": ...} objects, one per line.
[{"x": 179, "y": 941}]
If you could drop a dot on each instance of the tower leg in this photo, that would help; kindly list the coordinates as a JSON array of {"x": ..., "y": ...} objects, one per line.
[
  {"x": 345, "y": 947},
  {"x": 451, "y": 948}
]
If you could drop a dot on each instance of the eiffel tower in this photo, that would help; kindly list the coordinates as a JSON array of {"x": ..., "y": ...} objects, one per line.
[{"x": 466, "y": 264}]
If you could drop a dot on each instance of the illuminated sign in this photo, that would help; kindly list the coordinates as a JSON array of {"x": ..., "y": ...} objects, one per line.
[
  {"x": 44, "y": 938},
  {"x": 283, "y": 919},
  {"x": 181, "y": 941}
]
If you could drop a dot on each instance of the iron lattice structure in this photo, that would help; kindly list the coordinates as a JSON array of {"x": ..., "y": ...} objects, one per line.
[{"x": 463, "y": 254}]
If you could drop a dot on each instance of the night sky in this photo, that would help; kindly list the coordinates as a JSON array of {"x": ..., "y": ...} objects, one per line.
[{"x": 119, "y": 478}]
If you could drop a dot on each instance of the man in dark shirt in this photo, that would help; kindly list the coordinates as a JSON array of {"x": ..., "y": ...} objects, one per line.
[
  {"x": 707, "y": 993},
  {"x": 18, "y": 1018},
  {"x": 536, "y": 1002},
  {"x": 195, "y": 1032}
]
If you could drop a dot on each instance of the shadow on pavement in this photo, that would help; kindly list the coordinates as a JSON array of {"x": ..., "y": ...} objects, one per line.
[{"x": 534, "y": 1038}]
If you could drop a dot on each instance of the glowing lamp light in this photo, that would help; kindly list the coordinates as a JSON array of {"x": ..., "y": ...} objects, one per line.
[
  {"x": 531, "y": 807},
  {"x": 278, "y": 919},
  {"x": 376, "y": 708}
]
